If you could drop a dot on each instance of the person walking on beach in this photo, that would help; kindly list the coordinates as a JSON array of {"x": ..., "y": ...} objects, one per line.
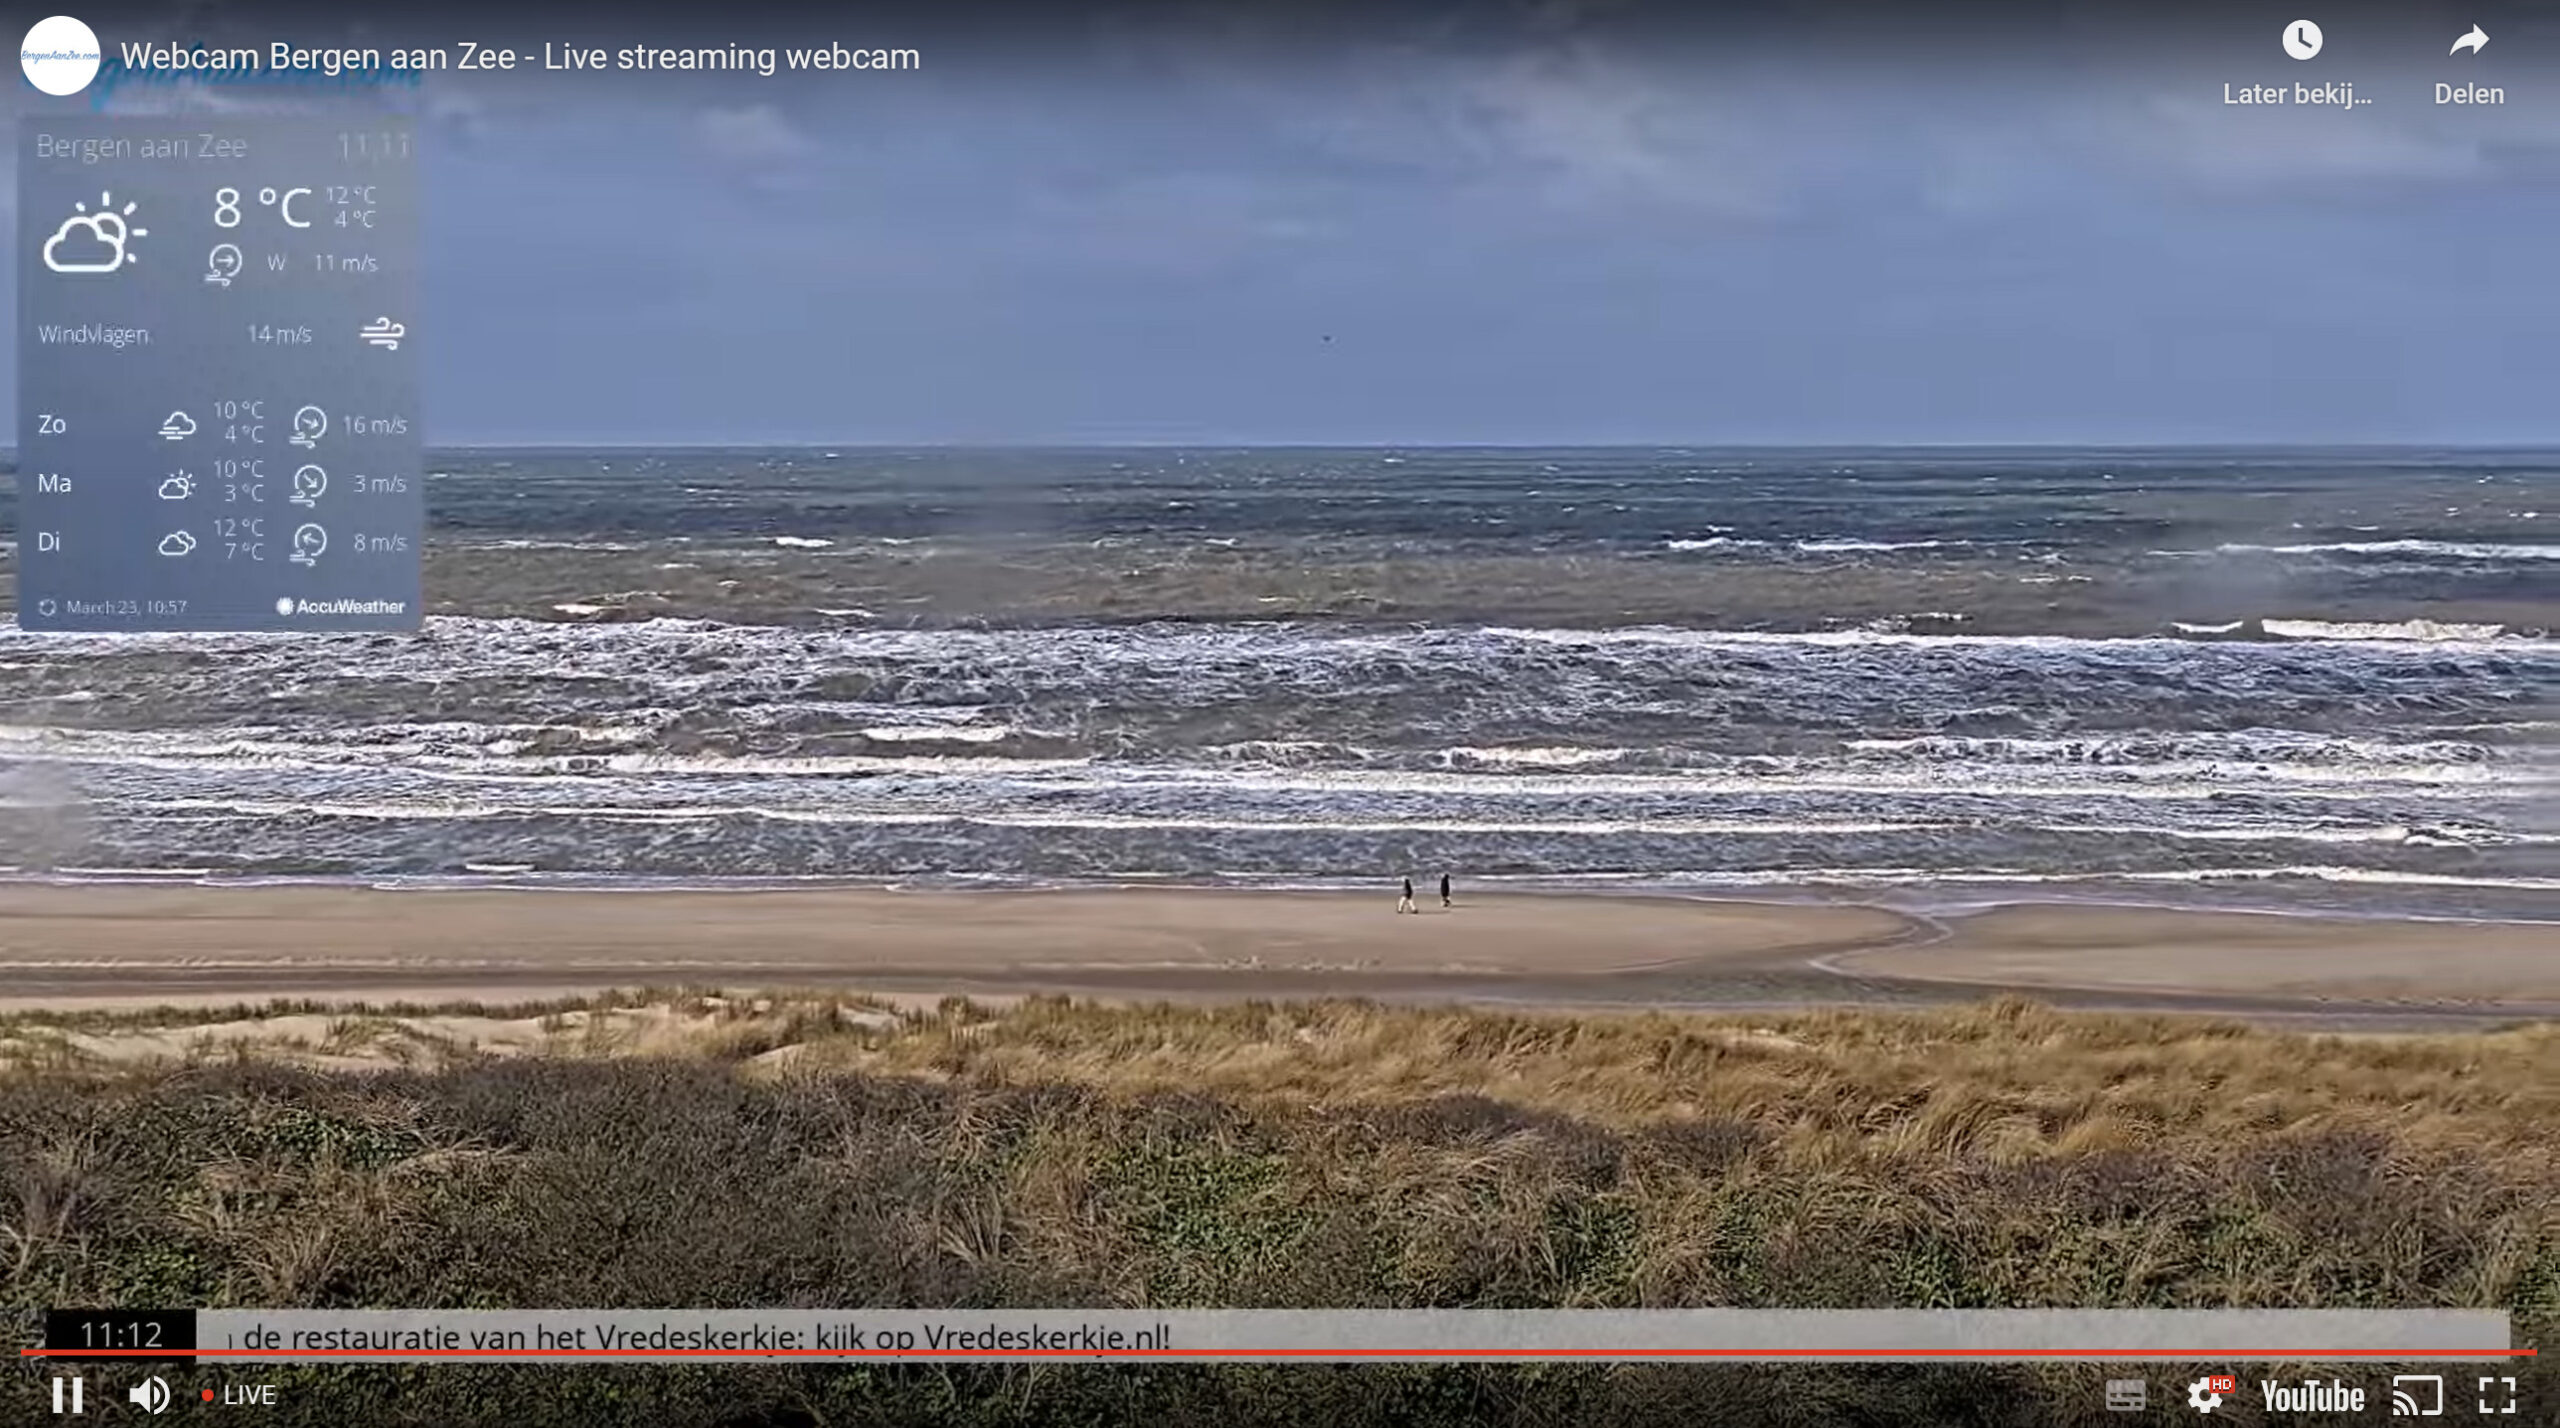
[
  {"x": 1405, "y": 903},
  {"x": 1444, "y": 891}
]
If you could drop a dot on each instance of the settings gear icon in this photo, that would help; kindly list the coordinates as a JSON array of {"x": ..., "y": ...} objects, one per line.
[{"x": 2201, "y": 1397}]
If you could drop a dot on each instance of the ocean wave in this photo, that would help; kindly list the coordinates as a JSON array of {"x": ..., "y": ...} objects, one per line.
[
  {"x": 1835, "y": 545},
  {"x": 2380, "y": 632},
  {"x": 1158, "y": 691},
  {"x": 1285, "y": 751},
  {"x": 2448, "y": 549},
  {"x": 357, "y": 743},
  {"x": 2387, "y": 834},
  {"x": 2277, "y": 749},
  {"x": 2331, "y": 873},
  {"x": 1544, "y": 758},
  {"x": 529, "y": 543},
  {"x": 2138, "y": 765},
  {"x": 1318, "y": 819},
  {"x": 992, "y": 782},
  {"x": 2171, "y": 781},
  {"x": 1841, "y": 545},
  {"x": 802, "y": 542},
  {"x": 550, "y": 640},
  {"x": 1059, "y": 822},
  {"x": 1714, "y": 543},
  {"x": 938, "y": 733},
  {"x": 2431, "y": 632},
  {"x": 1261, "y": 747}
]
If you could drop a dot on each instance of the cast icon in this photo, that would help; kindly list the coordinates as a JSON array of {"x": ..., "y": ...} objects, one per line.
[{"x": 2417, "y": 1395}]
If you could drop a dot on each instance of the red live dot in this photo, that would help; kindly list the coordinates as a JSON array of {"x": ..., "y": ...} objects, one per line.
[{"x": 208, "y": 1395}]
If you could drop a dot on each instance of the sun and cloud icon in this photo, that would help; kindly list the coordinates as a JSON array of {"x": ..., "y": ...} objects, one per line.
[{"x": 102, "y": 244}]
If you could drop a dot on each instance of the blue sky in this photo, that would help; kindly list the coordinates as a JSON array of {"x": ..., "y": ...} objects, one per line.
[{"x": 1564, "y": 225}]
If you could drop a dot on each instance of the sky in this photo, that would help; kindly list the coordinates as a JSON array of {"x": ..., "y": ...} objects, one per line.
[{"x": 1529, "y": 224}]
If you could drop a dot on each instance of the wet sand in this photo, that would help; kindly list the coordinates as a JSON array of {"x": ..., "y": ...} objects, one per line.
[{"x": 105, "y": 945}]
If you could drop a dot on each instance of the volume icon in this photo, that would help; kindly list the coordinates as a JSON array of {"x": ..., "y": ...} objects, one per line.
[{"x": 151, "y": 1395}]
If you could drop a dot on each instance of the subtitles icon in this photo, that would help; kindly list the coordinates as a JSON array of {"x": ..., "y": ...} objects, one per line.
[{"x": 2128, "y": 1395}]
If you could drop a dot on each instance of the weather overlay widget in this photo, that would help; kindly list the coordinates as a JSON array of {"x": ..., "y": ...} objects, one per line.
[{"x": 217, "y": 359}]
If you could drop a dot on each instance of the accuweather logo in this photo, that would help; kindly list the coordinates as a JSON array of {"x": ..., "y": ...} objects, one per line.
[{"x": 60, "y": 55}]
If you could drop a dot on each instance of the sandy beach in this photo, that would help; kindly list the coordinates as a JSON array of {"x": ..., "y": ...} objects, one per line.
[
  {"x": 2239, "y": 954},
  {"x": 93, "y": 945}
]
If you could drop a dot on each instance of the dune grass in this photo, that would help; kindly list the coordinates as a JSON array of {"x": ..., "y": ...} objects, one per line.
[{"x": 811, "y": 1151}]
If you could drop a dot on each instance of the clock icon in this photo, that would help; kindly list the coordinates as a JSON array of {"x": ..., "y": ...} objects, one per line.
[{"x": 2302, "y": 39}]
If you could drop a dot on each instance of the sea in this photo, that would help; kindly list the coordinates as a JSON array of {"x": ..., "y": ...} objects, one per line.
[{"x": 2292, "y": 679}]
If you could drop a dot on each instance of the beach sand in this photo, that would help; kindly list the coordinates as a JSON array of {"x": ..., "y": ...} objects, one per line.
[
  {"x": 102, "y": 945},
  {"x": 2246, "y": 954}
]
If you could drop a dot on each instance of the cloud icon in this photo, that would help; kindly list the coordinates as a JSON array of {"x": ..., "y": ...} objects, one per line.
[
  {"x": 178, "y": 427},
  {"x": 101, "y": 254},
  {"x": 102, "y": 249},
  {"x": 178, "y": 488},
  {"x": 177, "y": 543}
]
